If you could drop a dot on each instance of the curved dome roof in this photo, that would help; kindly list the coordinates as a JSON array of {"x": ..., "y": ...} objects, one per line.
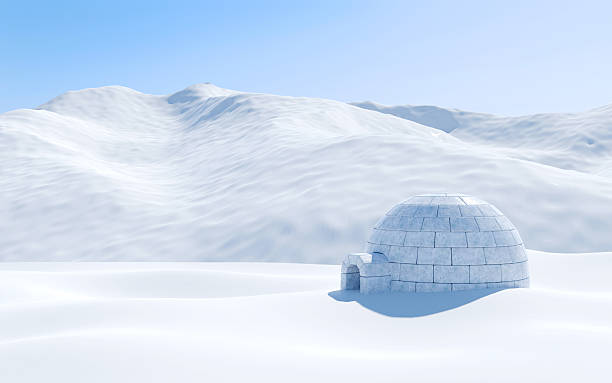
[
  {"x": 445, "y": 213},
  {"x": 450, "y": 230}
]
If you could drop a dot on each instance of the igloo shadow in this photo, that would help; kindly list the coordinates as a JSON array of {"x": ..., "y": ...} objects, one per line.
[{"x": 410, "y": 305}]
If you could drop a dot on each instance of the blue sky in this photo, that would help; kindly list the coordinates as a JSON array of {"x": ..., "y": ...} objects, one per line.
[{"x": 508, "y": 57}]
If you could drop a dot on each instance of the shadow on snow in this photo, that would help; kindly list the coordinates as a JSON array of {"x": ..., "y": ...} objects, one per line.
[{"x": 409, "y": 305}]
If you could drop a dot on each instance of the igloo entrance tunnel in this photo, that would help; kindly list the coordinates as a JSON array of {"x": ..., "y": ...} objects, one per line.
[{"x": 439, "y": 242}]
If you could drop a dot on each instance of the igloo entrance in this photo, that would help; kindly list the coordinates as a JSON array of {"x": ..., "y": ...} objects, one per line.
[{"x": 351, "y": 276}]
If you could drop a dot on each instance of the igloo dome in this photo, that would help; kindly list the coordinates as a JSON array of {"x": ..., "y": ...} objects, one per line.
[{"x": 439, "y": 242}]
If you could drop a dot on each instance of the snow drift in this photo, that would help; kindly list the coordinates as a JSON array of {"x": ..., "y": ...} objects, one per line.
[
  {"x": 214, "y": 174},
  {"x": 259, "y": 322}
]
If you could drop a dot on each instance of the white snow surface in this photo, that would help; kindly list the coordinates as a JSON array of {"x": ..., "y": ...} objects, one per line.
[
  {"x": 579, "y": 141},
  {"x": 220, "y": 175},
  {"x": 269, "y": 322}
]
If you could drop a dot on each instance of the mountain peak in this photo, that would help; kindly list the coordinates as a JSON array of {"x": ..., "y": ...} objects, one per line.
[{"x": 199, "y": 91}]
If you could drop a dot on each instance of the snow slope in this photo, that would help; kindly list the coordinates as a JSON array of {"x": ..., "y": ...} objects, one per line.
[
  {"x": 193, "y": 322},
  {"x": 580, "y": 141},
  {"x": 213, "y": 174}
]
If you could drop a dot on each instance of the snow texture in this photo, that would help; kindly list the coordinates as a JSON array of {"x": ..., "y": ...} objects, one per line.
[
  {"x": 577, "y": 141},
  {"x": 214, "y": 174},
  {"x": 273, "y": 322}
]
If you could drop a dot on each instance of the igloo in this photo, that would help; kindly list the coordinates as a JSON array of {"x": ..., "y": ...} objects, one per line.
[{"x": 439, "y": 242}]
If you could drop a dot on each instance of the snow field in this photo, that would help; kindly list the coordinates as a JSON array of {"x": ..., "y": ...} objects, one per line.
[{"x": 160, "y": 322}]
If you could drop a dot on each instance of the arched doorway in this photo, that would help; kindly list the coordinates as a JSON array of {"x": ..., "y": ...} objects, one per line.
[{"x": 350, "y": 278}]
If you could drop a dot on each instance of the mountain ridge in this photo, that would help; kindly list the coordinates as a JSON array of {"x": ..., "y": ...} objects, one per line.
[
  {"x": 115, "y": 174},
  {"x": 550, "y": 137}
]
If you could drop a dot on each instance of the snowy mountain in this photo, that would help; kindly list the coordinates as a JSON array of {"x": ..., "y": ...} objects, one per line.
[
  {"x": 580, "y": 141},
  {"x": 213, "y": 174}
]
